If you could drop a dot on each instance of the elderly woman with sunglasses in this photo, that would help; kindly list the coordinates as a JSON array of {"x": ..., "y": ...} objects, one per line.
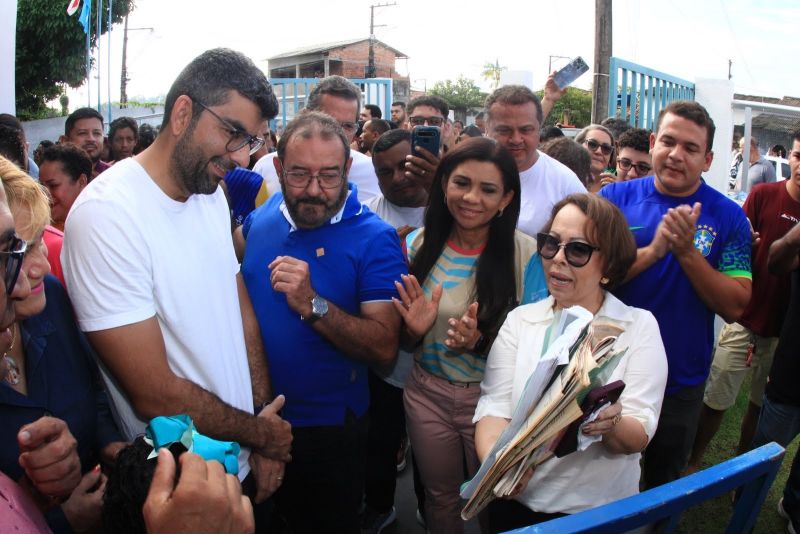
[
  {"x": 586, "y": 248},
  {"x": 474, "y": 267},
  {"x": 599, "y": 142},
  {"x": 48, "y": 366}
]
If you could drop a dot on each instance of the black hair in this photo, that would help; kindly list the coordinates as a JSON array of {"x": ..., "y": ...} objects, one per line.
[
  {"x": 379, "y": 125},
  {"x": 571, "y": 154},
  {"x": 616, "y": 125},
  {"x": 147, "y": 134},
  {"x": 399, "y": 103},
  {"x": 374, "y": 111},
  {"x": 495, "y": 280},
  {"x": 337, "y": 86},
  {"x": 635, "y": 138},
  {"x": 472, "y": 131},
  {"x": 390, "y": 139},
  {"x": 43, "y": 145},
  {"x": 550, "y": 132},
  {"x": 78, "y": 114},
  {"x": 12, "y": 146},
  {"x": 74, "y": 160},
  {"x": 213, "y": 75},
  {"x": 122, "y": 122},
  {"x": 433, "y": 101},
  {"x": 694, "y": 112},
  {"x": 513, "y": 95},
  {"x": 128, "y": 485}
]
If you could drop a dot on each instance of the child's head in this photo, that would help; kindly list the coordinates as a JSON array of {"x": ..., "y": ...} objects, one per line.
[{"x": 128, "y": 485}]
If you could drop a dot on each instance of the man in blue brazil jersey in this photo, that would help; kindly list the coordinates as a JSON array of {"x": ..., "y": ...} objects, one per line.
[{"x": 693, "y": 262}]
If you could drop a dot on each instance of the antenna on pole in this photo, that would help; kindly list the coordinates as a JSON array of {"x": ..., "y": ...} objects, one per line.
[{"x": 370, "y": 71}]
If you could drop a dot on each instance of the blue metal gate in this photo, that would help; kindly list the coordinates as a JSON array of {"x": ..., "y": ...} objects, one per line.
[{"x": 637, "y": 94}]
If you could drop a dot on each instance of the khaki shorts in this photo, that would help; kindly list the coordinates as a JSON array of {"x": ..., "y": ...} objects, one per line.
[{"x": 729, "y": 366}]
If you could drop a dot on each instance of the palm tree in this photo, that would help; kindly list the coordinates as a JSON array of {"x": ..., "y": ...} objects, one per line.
[{"x": 492, "y": 71}]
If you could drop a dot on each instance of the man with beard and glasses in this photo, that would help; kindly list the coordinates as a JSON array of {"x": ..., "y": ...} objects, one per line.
[
  {"x": 154, "y": 279},
  {"x": 320, "y": 270}
]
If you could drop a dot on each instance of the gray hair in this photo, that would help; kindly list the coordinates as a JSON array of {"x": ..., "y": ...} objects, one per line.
[
  {"x": 334, "y": 86},
  {"x": 310, "y": 124}
]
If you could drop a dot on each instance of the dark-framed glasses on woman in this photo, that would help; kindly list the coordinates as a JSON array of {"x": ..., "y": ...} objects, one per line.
[{"x": 577, "y": 253}]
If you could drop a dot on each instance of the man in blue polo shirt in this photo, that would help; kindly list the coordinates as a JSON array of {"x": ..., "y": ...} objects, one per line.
[
  {"x": 693, "y": 262},
  {"x": 319, "y": 269}
]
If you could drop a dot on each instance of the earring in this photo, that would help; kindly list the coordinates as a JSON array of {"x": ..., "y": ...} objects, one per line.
[
  {"x": 500, "y": 213},
  {"x": 604, "y": 281}
]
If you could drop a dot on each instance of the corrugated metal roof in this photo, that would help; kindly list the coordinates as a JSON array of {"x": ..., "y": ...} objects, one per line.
[{"x": 332, "y": 46}]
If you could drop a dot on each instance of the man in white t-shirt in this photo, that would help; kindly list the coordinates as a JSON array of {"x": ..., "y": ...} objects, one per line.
[
  {"x": 514, "y": 119},
  {"x": 402, "y": 205},
  {"x": 151, "y": 271},
  {"x": 341, "y": 99}
]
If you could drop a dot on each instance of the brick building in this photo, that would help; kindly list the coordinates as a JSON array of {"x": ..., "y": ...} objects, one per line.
[{"x": 345, "y": 58}]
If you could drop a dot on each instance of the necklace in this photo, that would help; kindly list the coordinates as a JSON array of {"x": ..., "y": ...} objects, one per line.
[{"x": 11, "y": 373}]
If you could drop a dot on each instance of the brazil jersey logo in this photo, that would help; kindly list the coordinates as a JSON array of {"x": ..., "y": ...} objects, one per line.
[{"x": 704, "y": 239}]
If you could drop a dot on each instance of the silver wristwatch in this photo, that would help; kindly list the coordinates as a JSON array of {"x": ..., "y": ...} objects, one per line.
[{"x": 319, "y": 308}]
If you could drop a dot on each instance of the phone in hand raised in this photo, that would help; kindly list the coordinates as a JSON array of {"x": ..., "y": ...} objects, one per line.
[
  {"x": 427, "y": 137},
  {"x": 571, "y": 72}
]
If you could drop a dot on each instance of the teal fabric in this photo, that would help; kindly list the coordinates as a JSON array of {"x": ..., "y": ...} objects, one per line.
[{"x": 165, "y": 430}]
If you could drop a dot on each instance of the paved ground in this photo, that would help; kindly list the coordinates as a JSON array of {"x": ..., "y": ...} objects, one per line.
[{"x": 406, "y": 507}]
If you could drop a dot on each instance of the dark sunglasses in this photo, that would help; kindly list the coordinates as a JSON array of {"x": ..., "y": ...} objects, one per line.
[
  {"x": 641, "y": 168},
  {"x": 577, "y": 253},
  {"x": 13, "y": 262},
  {"x": 593, "y": 145}
]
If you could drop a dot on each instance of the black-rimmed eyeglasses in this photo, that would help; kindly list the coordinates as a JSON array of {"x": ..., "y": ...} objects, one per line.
[
  {"x": 641, "y": 168},
  {"x": 577, "y": 253},
  {"x": 420, "y": 121},
  {"x": 239, "y": 138},
  {"x": 12, "y": 258}
]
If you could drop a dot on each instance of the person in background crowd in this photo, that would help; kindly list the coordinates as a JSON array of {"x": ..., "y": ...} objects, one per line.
[
  {"x": 693, "y": 262},
  {"x": 370, "y": 111},
  {"x": 633, "y": 157},
  {"x": 123, "y": 135},
  {"x": 749, "y": 344},
  {"x": 65, "y": 171},
  {"x": 37, "y": 154},
  {"x": 341, "y": 99},
  {"x": 616, "y": 126},
  {"x": 549, "y": 133},
  {"x": 571, "y": 154},
  {"x": 480, "y": 121},
  {"x": 468, "y": 132},
  {"x": 599, "y": 143},
  {"x": 515, "y": 117},
  {"x": 458, "y": 127},
  {"x": 147, "y": 134},
  {"x": 402, "y": 205},
  {"x": 84, "y": 128},
  {"x": 373, "y": 129},
  {"x": 760, "y": 171},
  {"x": 399, "y": 114}
]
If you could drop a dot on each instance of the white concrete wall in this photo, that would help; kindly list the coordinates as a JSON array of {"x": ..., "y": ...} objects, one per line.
[
  {"x": 716, "y": 96},
  {"x": 8, "y": 39}
]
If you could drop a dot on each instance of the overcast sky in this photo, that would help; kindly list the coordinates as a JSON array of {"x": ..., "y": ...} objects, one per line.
[{"x": 447, "y": 38}]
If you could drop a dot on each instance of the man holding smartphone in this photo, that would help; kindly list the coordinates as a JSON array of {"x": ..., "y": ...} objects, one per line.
[
  {"x": 425, "y": 111},
  {"x": 514, "y": 120}
]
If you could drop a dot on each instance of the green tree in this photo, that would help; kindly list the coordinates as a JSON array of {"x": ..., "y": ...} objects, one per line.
[
  {"x": 574, "y": 108},
  {"x": 460, "y": 95},
  {"x": 492, "y": 72},
  {"x": 51, "y": 49}
]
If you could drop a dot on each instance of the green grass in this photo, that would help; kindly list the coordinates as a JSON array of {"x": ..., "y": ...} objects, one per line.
[{"x": 713, "y": 516}]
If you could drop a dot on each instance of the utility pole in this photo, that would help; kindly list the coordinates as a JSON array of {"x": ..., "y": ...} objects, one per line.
[
  {"x": 602, "y": 58},
  {"x": 730, "y": 64},
  {"x": 370, "y": 71},
  {"x": 123, "y": 83},
  {"x": 123, "y": 94}
]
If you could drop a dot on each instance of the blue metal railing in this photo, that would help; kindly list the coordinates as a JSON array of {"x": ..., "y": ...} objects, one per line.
[
  {"x": 637, "y": 94},
  {"x": 753, "y": 472},
  {"x": 292, "y": 94}
]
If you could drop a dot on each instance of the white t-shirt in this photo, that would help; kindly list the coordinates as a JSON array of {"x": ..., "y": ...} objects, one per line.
[
  {"x": 397, "y": 373},
  {"x": 395, "y": 215},
  {"x": 131, "y": 252},
  {"x": 362, "y": 173},
  {"x": 592, "y": 477},
  {"x": 543, "y": 185}
]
